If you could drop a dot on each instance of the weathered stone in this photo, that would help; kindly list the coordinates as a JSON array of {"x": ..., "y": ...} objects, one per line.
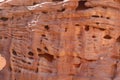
[{"x": 60, "y": 40}]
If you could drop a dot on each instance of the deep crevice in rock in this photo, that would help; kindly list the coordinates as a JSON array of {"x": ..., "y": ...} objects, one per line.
[
  {"x": 47, "y": 56},
  {"x": 39, "y": 50},
  {"x": 4, "y": 18},
  {"x": 14, "y": 52},
  {"x": 87, "y": 27},
  {"x": 96, "y": 16},
  {"x": 81, "y": 5},
  {"x": 31, "y": 53},
  {"x": 46, "y": 27},
  {"x": 107, "y": 37}
]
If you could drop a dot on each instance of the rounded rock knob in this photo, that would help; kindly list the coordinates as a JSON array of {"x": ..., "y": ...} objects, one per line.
[{"x": 2, "y": 62}]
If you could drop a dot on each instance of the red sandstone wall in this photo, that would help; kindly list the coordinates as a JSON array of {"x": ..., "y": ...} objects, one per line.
[{"x": 60, "y": 40}]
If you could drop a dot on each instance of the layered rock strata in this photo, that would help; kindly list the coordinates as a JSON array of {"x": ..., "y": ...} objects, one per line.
[{"x": 60, "y": 39}]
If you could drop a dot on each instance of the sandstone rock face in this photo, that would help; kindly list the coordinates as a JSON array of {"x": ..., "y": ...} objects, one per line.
[
  {"x": 60, "y": 39},
  {"x": 3, "y": 62}
]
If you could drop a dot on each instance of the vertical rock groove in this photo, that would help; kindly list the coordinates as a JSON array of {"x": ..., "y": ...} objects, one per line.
[{"x": 114, "y": 73}]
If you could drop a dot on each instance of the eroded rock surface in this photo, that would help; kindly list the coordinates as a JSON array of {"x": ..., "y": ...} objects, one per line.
[
  {"x": 60, "y": 39},
  {"x": 2, "y": 62}
]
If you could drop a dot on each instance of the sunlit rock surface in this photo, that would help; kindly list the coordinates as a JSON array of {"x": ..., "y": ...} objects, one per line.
[{"x": 2, "y": 62}]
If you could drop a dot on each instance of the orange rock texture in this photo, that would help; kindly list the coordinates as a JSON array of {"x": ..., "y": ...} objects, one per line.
[{"x": 60, "y": 39}]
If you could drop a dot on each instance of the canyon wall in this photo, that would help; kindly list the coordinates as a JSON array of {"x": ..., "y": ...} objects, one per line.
[{"x": 60, "y": 40}]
